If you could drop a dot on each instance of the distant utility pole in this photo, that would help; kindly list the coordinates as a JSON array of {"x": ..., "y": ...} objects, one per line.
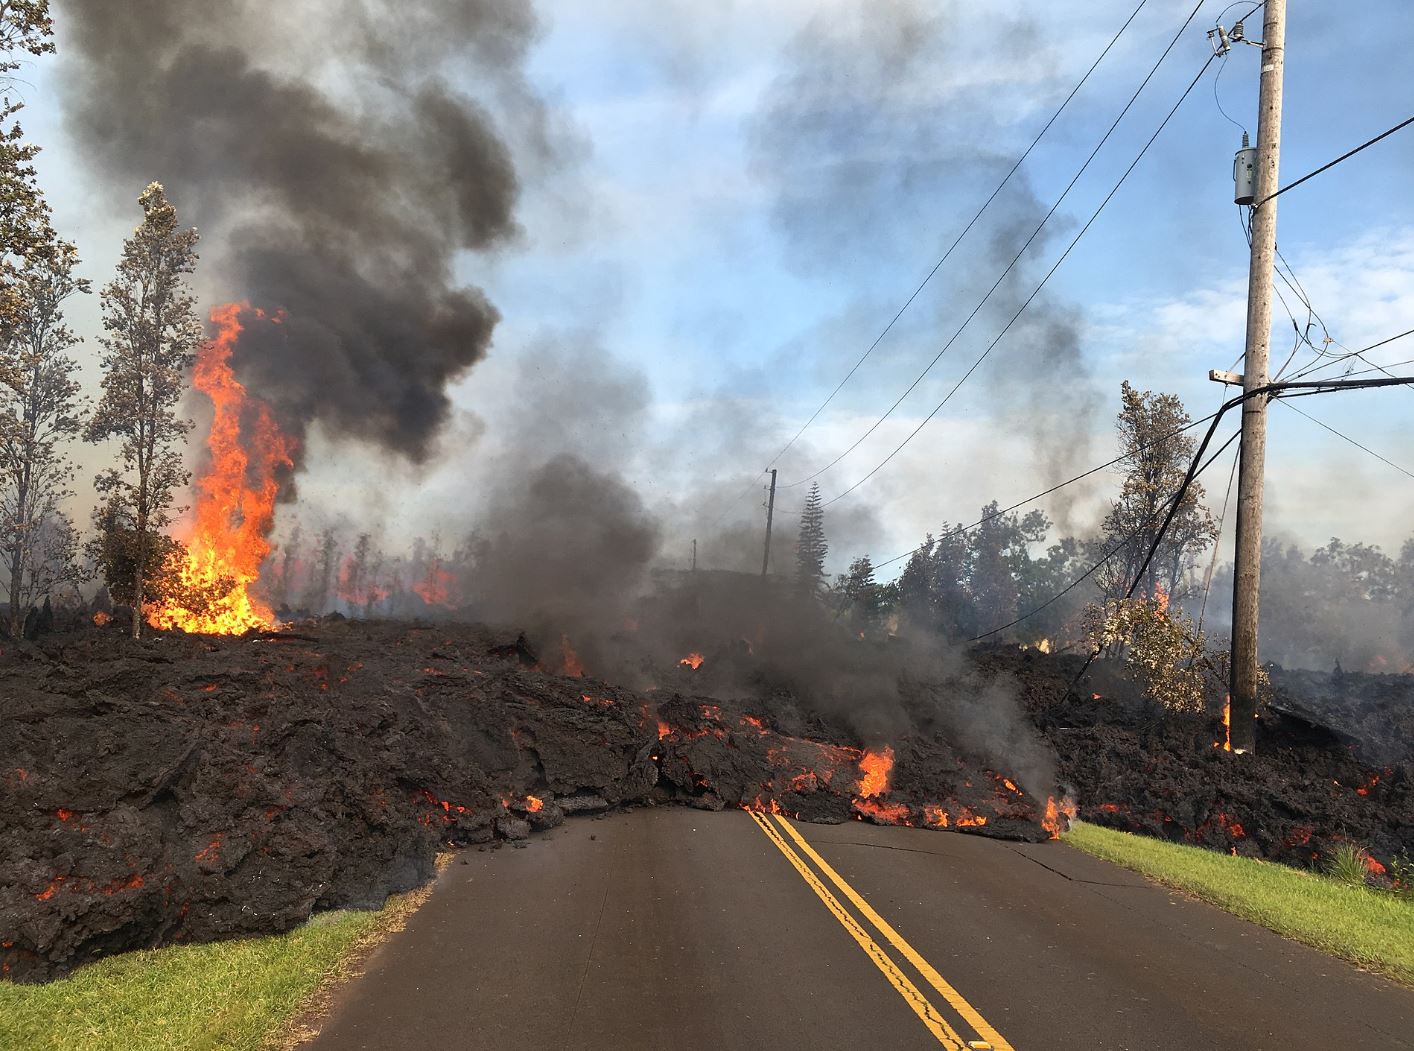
[
  {"x": 1248, "y": 556},
  {"x": 770, "y": 514},
  {"x": 694, "y": 554}
]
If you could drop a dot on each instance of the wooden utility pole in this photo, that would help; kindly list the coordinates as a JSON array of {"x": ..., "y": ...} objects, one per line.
[
  {"x": 694, "y": 554},
  {"x": 1248, "y": 555},
  {"x": 770, "y": 514}
]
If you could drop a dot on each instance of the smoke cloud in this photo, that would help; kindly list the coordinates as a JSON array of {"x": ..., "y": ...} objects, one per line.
[
  {"x": 337, "y": 170},
  {"x": 878, "y": 142}
]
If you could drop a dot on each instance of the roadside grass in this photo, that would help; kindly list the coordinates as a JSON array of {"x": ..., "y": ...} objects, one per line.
[
  {"x": 253, "y": 994},
  {"x": 1368, "y": 927}
]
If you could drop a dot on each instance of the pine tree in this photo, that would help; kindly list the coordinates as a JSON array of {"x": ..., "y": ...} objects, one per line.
[
  {"x": 153, "y": 332},
  {"x": 39, "y": 412},
  {"x": 810, "y": 546}
]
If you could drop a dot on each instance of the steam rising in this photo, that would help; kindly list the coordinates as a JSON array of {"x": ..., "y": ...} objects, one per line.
[{"x": 340, "y": 194}]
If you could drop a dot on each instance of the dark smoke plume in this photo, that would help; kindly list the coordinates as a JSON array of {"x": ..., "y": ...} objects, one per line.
[{"x": 336, "y": 172}]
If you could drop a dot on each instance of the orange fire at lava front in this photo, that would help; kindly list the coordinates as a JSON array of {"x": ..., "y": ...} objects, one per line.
[
  {"x": 874, "y": 768},
  {"x": 235, "y": 494},
  {"x": 693, "y": 661}
]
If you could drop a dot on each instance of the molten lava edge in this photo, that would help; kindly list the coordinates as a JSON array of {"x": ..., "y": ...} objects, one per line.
[{"x": 187, "y": 789}]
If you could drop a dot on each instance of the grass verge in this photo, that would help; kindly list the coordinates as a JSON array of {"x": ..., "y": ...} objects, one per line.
[
  {"x": 1368, "y": 927},
  {"x": 255, "y": 994}
]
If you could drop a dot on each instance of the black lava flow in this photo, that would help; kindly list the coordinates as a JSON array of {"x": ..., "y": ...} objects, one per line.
[{"x": 189, "y": 789}]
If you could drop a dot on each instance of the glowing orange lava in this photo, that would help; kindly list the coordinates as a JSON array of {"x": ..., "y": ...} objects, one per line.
[
  {"x": 534, "y": 804},
  {"x": 235, "y": 494},
  {"x": 874, "y": 768},
  {"x": 887, "y": 813},
  {"x": 693, "y": 661}
]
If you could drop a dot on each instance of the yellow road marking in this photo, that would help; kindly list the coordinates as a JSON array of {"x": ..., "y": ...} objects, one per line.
[
  {"x": 922, "y": 1007},
  {"x": 936, "y": 980}
]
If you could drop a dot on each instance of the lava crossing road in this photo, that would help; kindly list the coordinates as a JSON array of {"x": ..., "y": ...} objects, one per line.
[{"x": 673, "y": 928}]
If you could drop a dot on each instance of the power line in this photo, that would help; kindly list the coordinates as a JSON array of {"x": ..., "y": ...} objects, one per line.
[
  {"x": 958, "y": 240},
  {"x": 1060, "y": 485},
  {"x": 1373, "y": 366},
  {"x": 1171, "y": 503},
  {"x": 1274, "y": 390},
  {"x": 1352, "y": 441},
  {"x": 1015, "y": 259},
  {"x": 1029, "y": 299},
  {"x": 1343, "y": 157}
]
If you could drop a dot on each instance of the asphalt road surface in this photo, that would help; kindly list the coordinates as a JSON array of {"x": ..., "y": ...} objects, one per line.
[{"x": 673, "y": 928}]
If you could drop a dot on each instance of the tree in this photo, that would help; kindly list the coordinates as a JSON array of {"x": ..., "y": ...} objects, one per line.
[
  {"x": 39, "y": 411},
  {"x": 323, "y": 575},
  {"x": 25, "y": 233},
  {"x": 153, "y": 332},
  {"x": 865, "y": 597},
  {"x": 1156, "y": 459},
  {"x": 810, "y": 545},
  {"x": 1001, "y": 558}
]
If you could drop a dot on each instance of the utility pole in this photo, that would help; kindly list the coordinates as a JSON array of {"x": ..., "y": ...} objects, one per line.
[
  {"x": 770, "y": 514},
  {"x": 1248, "y": 554},
  {"x": 694, "y": 554}
]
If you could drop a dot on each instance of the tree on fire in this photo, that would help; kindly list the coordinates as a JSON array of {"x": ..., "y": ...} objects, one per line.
[
  {"x": 40, "y": 410},
  {"x": 810, "y": 545},
  {"x": 153, "y": 332},
  {"x": 1156, "y": 459}
]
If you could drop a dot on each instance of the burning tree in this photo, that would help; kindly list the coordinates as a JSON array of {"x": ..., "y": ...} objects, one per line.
[
  {"x": 39, "y": 410},
  {"x": 153, "y": 333}
]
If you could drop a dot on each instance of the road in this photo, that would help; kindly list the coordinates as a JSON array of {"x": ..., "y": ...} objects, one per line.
[{"x": 673, "y": 928}]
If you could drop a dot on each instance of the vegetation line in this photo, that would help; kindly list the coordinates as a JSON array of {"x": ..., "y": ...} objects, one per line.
[
  {"x": 1370, "y": 928},
  {"x": 251, "y": 994}
]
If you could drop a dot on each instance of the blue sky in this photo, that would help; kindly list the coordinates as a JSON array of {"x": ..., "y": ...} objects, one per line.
[{"x": 749, "y": 192}]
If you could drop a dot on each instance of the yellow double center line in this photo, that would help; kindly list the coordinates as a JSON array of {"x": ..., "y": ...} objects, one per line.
[{"x": 927, "y": 1013}]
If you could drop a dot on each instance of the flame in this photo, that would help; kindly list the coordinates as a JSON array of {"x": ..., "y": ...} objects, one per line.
[
  {"x": 569, "y": 660},
  {"x": 692, "y": 660},
  {"x": 936, "y": 815},
  {"x": 663, "y": 729},
  {"x": 1161, "y": 601},
  {"x": 1373, "y": 867},
  {"x": 534, "y": 804},
  {"x": 1051, "y": 822},
  {"x": 1226, "y": 742},
  {"x": 436, "y": 590},
  {"x": 875, "y": 768},
  {"x": 235, "y": 494},
  {"x": 967, "y": 819}
]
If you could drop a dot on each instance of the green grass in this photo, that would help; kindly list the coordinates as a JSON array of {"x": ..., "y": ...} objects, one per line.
[
  {"x": 237, "y": 995},
  {"x": 1371, "y": 928}
]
